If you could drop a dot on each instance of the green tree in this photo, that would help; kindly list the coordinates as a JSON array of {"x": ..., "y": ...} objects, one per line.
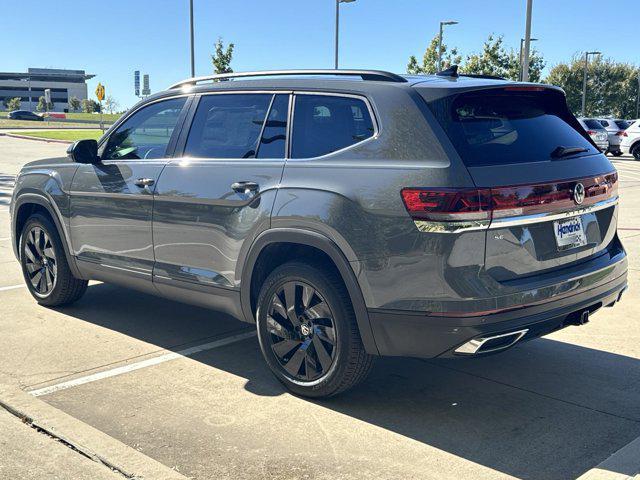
[
  {"x": 12, "y": 103},
  {"x": 90, "y": 106},
  {"x": 494, "y": 59},
  {"x": 222, "y": 57},
  {"x": 612, "y": 87},
  {"x": 43, "y": 106},
  {"x": 429, "y": 64},
  {"x": 74, "y": 103}
]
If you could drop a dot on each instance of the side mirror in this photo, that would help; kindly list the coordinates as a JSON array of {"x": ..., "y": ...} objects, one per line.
[{"x": 84, "y": 151}]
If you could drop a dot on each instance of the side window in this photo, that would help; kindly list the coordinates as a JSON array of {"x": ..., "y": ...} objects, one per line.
[
  {"x": 227, "y": 126},
  {"x": 146, "y": 133},
  {"x": 274, "y": 135},
  {"x": 323, "y": 124}
]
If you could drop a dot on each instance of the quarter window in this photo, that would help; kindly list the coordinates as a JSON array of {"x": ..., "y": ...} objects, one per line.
[
  {"x": 146, "y": 133},
  {"x": 227, "y": 126},
  {"x": 323, "y": 124}
]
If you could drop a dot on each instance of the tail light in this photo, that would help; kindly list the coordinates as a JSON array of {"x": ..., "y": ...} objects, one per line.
[
  {"x": 466, "y": 208},
  {"x": 622, "y": 133},
  {"x": 591, "y": 132}
]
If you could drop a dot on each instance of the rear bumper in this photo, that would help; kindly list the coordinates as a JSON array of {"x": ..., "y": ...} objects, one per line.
[{"x": 402, "y": 333}]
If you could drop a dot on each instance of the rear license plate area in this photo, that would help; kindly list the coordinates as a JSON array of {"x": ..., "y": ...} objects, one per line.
[{"x": 569, "y": 233}]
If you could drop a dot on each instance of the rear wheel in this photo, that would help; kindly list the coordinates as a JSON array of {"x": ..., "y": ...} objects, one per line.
[
  {"x": 44, "y": 264},
  {"x": 617, "y": 154},
  {"x": 635, "y": 151},
  {"x": 308, "y": 332}
]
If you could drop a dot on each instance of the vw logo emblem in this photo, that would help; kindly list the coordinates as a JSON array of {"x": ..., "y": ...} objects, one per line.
[{"x": 578, "y": 193}]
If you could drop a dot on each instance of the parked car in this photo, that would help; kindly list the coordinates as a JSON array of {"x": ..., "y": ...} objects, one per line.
[
  {"x": 347, "y": 214},
  {"x": 615, "y": 129},
  {"x": 596, "y": 131},
  {"x": 630, "y": 143},
  {"x": 24, "y": 115}
]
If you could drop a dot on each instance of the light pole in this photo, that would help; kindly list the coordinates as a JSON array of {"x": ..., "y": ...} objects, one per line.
[
  {"x": 520, "y": 76},
  {"x": 338, "y": 2},
  {"x": 28, "y": 79},
  {"x": 527, "y": 43},
  {"x": 193, "y": 67},
  {"x": 584, "y": 80},
  {"x": 442, "y": 24},
  {"x": 638, "y": 99}
]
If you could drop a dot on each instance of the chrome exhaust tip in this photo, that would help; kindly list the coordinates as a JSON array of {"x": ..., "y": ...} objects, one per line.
[{"x": 493, "y": 343}]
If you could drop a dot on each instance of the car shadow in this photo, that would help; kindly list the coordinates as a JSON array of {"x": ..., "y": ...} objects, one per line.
[{"x": 546, "y": 409}]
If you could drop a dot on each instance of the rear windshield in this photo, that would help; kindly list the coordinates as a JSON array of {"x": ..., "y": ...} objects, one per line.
[
  {"x": 622, "y": 125},
  {"x": 591, "y": 123},
  {"x": 495, "y": 127}
]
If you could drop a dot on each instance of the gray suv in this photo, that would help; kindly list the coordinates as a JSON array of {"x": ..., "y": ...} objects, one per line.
[{"x": 348, "y": 214}]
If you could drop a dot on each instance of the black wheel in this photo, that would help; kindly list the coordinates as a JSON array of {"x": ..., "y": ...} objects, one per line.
[
  {"x": 617, "y": 153},
  {"x": 636, "y": 152},
  {"x": 44, "y": 264},
  {"x": 308, "y": 332}
]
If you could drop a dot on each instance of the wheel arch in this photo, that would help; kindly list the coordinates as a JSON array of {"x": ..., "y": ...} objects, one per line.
[
  {"x": 306, "y": 239},
  {"x": 28, "y": 204}
]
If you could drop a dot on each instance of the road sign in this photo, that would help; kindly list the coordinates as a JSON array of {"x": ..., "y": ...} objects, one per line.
[
  {"x": 136, "y": 82},
  {"x": 145, "y": 85},
  {"x": 100, "y": 92},
  {"x": 47, "y": 95}
]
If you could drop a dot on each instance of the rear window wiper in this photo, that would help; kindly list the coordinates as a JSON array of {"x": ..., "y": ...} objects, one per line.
[{"x": 561, "y": 152}]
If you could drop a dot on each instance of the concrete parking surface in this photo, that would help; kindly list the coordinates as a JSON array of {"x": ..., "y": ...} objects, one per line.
[{"x": 188, "y": 388}]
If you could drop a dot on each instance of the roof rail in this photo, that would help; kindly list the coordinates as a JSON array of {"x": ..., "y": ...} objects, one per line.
[{"x": 371, "y": 75}]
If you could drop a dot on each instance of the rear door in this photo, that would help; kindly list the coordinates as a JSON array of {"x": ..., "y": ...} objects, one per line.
[
  {"x": 553, "y": 193},
  {"x": 216, "y": 196}
]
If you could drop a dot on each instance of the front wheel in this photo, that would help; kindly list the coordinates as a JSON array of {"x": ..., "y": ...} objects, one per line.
[
  {"x": 636, "y": 152},
  {"x": 308, "y": 332},
  {"x": 44, "y": 264}
]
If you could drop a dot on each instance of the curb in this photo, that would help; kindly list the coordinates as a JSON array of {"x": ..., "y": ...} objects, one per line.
[
  {"x": 622, "y": 465},
  {"x": 27, "y": 137},
  {"x": 86, "y": 440}
]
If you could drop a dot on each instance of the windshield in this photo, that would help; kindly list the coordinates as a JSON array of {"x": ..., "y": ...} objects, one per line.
[{"x": 493, "y": 127}]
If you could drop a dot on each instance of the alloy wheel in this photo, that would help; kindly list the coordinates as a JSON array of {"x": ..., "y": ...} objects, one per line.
[
  {"x": 301, "y": 331},
  {"x": 40, "y": 261}
]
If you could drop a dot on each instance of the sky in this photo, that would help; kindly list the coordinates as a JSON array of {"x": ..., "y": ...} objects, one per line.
[{"x": 112, "y": 38}]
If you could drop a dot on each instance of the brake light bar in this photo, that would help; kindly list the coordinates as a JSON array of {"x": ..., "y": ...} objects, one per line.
[{"x": 477, "y": 207}]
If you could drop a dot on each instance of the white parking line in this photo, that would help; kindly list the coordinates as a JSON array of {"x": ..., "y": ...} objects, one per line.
[
  {"x": 143, "y": 364},
  {"x": 11, "y": 287}
]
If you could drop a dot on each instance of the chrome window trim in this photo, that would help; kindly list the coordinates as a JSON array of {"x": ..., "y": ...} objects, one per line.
[{"x": 507, "y": 222}]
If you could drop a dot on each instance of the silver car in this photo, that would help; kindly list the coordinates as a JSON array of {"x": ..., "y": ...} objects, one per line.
[
  {"x": 596, "y": 131},
  {"x": 614, "y": 128}
]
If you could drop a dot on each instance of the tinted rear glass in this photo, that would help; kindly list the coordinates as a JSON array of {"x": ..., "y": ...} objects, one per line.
[
  {"x": 590, "y": 123},
  {"x": 622, "y": 125},
  {"x": 492, "y": 127}
]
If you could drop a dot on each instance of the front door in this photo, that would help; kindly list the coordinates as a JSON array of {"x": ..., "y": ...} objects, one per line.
[
  {"x": 112, "y": 201},
  {"x": 218, "y": 194}
]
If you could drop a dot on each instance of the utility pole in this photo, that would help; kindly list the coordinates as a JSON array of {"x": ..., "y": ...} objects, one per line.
[
  {"x": 338, "y": 2},
  {"x": 584, "y": 81},
  {"x": 520, "y": 56},
  {"x": 527, "y": 43},
  {"x": 193, "y": 67},
  {"x": 442, "y": 24},
  {"x": 638, "y": 99}
]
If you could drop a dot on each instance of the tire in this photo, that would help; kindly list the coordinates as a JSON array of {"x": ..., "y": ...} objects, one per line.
[
  {"x": 617, "y": 154},
  {"x": 44, "y": 264},
  {"x": 635, "y": 151},
  {"x": 322, "y": 320}
]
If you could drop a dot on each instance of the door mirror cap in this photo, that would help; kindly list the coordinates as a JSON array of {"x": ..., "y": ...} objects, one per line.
[{"x": 84, "y": 151}]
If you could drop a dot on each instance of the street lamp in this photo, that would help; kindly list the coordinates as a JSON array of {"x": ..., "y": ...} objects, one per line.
[
  {"x": 527, "y": 43},
  {"x": 28, "y": 79},
  {"x": 521, "y": 74},
  {"x": 442, "y": 24},
  {"x": 338, "y": 2},
  {"x": 584, "y": 80},
  {"x": 193, "y": 67}
]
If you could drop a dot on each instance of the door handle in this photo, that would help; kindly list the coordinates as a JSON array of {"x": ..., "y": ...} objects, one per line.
[
  {"x": 245, "y": 187},
  {"x": 144, "y": 182}
]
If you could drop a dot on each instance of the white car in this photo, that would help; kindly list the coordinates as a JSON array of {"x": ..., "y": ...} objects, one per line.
[{"x": 631, "y": 140}]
